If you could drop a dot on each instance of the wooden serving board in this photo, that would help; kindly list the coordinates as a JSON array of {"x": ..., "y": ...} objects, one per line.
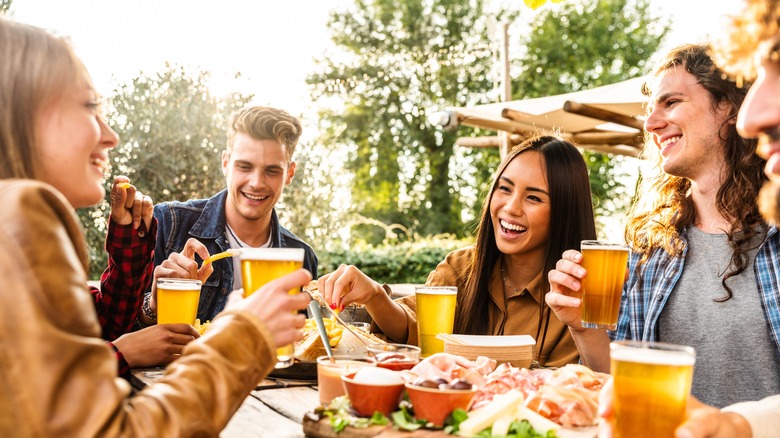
[{"x": 322, "y": 429}]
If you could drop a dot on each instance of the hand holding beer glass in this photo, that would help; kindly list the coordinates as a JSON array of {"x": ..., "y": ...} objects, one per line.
[
  {"x": 601, "y": 288},
  {"x": 262, "y": 265},
  {"x": 652, "y": 384},
  {"x": 435, "y": 314}
]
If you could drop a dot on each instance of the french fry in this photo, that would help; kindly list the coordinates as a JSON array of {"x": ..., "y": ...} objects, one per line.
[{"x": 201, "y": 328}]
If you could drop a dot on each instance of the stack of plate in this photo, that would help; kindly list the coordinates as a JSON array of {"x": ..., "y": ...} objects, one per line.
[{"x": 516, "y": 350}]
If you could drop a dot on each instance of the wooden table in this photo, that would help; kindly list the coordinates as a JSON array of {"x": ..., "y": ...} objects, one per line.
[{"x": 275, "y": 409}]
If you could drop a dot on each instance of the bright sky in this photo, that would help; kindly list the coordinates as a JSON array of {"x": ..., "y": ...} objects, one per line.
[{"x": 270, "y": 42}]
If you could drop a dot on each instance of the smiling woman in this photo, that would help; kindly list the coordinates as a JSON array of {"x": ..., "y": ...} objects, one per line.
[
  {"x": 539, "y": 206},
  {"x": 54, "y": 146}
]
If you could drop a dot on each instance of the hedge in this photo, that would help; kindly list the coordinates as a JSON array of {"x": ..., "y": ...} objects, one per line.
[{"x": 401, "y": 262}]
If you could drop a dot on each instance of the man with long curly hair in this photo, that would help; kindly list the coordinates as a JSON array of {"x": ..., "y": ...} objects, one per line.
[
  {"x": 704, "y": 266},
  {"x": 703, "y": 211}
]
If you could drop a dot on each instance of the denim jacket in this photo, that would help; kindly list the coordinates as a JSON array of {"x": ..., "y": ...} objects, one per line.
[{"x": 204, "y": 219}]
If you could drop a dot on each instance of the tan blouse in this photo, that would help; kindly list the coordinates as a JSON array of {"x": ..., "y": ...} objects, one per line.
[{"x": 517, "y": 314}]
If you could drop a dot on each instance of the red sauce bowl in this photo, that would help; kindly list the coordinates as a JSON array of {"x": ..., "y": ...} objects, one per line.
[{"x": 434, "y": 405}]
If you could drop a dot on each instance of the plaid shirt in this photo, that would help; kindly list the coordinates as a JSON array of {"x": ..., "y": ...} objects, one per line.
[
  {"x": 122, "y": 285},
  {"x": 640, "y": 308}
]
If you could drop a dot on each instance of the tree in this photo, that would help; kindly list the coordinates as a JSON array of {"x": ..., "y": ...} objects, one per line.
[
  {"x": 398, "y": 60},
  {"x": 5, "y": 6},
  {"x": 172, "y": 130},
  {"x": 586, "y": 44},
  {"x": 312, "y": 205}
]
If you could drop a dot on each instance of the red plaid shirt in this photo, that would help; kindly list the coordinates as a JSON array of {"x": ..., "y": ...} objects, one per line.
[{"x": 123, "y": 283}]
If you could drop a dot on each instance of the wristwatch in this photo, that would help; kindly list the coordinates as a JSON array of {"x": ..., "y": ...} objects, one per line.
[{"x": 146, "y": 309}]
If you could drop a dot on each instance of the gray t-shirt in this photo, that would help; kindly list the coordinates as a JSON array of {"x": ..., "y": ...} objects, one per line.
[{"x": 736, "y": 359}]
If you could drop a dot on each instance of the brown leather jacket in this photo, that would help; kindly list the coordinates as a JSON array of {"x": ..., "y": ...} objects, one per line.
[{"x": 58, "y": 378}]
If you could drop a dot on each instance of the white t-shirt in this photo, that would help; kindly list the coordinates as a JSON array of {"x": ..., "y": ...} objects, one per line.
[{"x": 235, "y": 243}]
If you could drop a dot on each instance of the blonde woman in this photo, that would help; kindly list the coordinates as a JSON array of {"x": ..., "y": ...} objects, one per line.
[{"x": 58, "y": 377}]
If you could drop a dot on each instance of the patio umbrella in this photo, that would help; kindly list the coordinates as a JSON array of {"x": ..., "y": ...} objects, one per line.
[{"x": 604, "y": 119}]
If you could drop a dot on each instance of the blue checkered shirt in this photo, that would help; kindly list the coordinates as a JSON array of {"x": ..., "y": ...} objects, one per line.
[{"x": 641, "y": 305}]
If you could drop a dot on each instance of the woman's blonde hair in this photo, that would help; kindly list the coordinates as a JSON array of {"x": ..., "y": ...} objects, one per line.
[{"x": 35, "y": 68}]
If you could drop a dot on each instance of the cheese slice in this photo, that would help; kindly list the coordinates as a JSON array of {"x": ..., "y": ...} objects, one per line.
[
  {"x": 484, "y": 417},
  {"x": 538, "y": 422}
]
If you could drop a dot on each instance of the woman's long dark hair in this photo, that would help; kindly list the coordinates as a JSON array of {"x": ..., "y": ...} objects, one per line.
[{"x": 571, "y": 220}]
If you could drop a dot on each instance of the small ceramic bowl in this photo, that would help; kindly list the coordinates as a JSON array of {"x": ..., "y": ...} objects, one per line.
[
  {"x": 434, "y": 404},
  {"x": 395, "y": 357},
  {"x": 367, "y": 398}
]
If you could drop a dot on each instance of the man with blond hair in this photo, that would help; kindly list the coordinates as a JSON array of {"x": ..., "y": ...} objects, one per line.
[{"x": 257, "y": 164}]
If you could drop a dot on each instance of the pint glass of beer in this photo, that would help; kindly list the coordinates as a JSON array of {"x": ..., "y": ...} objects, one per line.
[
  {"x": 606, "y": 265},
  {"x": 435, "y": 314},
  {"x": 262, "y": 265},
  {"x": 652, "y": 384},
  {"x": 177, "y": 300}
]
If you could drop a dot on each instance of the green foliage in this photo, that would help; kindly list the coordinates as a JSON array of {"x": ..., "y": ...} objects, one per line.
[
  {"x": 171, "y": 130},
  {"x": 586, "y": 44},
  {"x": 173, "y": 133},
  {"x": 5, "y": 5},
  {"x": 407, "y": 261},
  {"x": 312, "y": 204},
  {"x": 398, "y": 60}
]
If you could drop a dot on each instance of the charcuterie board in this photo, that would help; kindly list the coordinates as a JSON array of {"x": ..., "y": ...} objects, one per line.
[{"x": 316, "y": 428}]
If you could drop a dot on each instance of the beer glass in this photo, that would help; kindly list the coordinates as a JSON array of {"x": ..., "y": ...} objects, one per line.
[
  {"x": 177, "y": 300},
  {"x": 262, "y": 265},
  {"x": 652, "y": 383},
  {"x": 435, "y": 314},
  {"x": 601, "y": 288}
]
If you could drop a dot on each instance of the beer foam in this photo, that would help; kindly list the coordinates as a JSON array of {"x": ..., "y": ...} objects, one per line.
[
  {"x": 604, "y": 246},
  {"x": 178, "y": 284},
  {"x": 436, "y": 290},
  {"x": 653, "y": 357},
  {"x": 275, "y": 254}
]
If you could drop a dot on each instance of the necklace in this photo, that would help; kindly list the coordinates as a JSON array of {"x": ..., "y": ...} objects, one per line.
[
  {"x": 238, "y": 241},
  {"x": 520, "y": 292}
]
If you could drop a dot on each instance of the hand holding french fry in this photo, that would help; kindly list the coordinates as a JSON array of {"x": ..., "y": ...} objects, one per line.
[{"x": 128, "y": 205}]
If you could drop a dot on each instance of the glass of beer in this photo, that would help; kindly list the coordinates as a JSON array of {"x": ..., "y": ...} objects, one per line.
[
  {"x": 601, "y": 288},
  {"x": 435, "y": 314},
  {"x": 177, "y": 300},
  {"x": 262, "y": 265},
  {"x": 652, "y": 384}
]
